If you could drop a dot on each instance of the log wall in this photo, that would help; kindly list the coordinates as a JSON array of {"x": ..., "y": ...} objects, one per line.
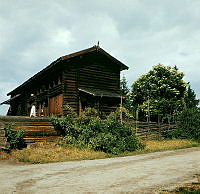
[
  {"x": 47, "y": 88},
  {"x": 100, "y": 76},
  {"x": 71, "y": 96},
  {"x": 90, "y": 72}
]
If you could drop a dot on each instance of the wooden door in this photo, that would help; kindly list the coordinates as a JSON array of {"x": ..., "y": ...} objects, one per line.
[{"x": 56, "y": 105}]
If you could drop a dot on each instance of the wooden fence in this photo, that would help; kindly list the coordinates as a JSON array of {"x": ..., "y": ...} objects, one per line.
[{"x": 151, "y": 130}]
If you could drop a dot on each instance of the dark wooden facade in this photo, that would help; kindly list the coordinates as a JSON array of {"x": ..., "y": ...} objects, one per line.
[{"x": 88, "y": 78}]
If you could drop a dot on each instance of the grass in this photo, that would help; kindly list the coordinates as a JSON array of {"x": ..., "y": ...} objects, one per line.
[
  {"x": 188, "y": 188},
  {"x": 161, "y": 145},
  {"x": 170, "y": 144},
  {"x": 53, "y": 152},
  {"x": 4, "y": 155}
]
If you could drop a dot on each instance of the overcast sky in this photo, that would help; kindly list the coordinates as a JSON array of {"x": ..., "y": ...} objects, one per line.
[{"x": 139, "y": 33}]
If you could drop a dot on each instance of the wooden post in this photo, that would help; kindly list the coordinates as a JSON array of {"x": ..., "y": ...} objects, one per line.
[
  {"x": 48, "y": 106},
  {"x": 136, "y": 116},
  {"x": 148, "y": 114},
  {"x": 121, "y": 110},
  {"x": 159, "y": 125},
  {"x": 80, "y": 106}
]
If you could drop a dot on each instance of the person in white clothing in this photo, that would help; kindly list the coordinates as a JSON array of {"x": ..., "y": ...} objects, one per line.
[{"x": 33, "y": 111}]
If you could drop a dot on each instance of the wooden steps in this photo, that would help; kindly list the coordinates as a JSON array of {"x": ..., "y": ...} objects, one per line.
[
  {"x": 34, "y": 139},
  {"x": 3, "y": 140},
  {"x": 35, "y": 129}
]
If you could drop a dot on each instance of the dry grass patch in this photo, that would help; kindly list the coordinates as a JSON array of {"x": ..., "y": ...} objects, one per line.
[
  {"x": 193, "y": 187},
  {"x": 155, "y": 145},
  {"x": 162, "y": 145},
  {"x": 52, "y": 152},
  {"x": 4, "y": 156}
]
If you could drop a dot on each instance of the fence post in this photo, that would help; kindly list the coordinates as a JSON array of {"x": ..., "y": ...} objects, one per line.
[
  {"x": 121, "y": 110},
  {"x": 159, "y": 125},
  {"x": 136, "y": 122}
]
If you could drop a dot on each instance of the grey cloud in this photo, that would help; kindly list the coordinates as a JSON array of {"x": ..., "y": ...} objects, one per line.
[{"x": 140, "y": 33}]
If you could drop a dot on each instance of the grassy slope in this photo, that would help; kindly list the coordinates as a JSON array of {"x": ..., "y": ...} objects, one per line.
[
  {"x": 52, "y": 152},
  {"x": 163, "y": 145}
]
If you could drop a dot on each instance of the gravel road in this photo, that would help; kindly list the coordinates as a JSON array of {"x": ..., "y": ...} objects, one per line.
[{"x": 133, "y": 174}]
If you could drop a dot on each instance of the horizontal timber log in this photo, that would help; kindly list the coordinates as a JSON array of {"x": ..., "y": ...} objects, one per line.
[{"x": 35, "y": 129}]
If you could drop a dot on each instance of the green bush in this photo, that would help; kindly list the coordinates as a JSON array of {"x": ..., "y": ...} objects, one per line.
[
  {"x": 14, "y": 138},
  {"x": 64, "y": 124},
  {"x": 188, "y": 125},
  {"x": 89, "y": 130}
]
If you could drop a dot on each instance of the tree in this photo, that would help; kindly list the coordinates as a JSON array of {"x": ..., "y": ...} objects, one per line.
[
  {"x": 125, "y": 93},
  {"x": 190, "y": 98},
  {"x": 161, "y": 91},
  {"x": 188, "y": 125},
  {"x": 124, "y": 86}
]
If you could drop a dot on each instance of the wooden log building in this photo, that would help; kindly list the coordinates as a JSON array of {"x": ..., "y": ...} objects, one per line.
[{"x": 88, "y": 78}]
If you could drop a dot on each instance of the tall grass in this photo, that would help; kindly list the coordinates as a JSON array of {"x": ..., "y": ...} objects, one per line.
[
  {"x": 155, "y": 145},
  {"x": 4, "y": 155},
  {"x": 52, "y": 152}
]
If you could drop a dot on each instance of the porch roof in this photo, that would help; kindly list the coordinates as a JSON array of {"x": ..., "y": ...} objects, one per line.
[
  {"x": 11, "y": 99},
  {"x": 100, "y": 92}
]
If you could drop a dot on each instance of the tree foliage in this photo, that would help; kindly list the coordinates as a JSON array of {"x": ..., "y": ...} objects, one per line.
[
  {"x": 161, "y": 90},
  {"x": 124, "y": 86},
  {"x": 188, "y": 125},
  {"x": 190, "y": 98},
  {"x": 125, "y": 92}
]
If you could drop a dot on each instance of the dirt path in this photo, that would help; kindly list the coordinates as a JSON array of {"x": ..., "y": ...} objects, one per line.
[{"x": 135, "y": 174}]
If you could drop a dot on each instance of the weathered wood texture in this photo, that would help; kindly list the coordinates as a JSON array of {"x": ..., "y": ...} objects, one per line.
[
  {"x": 56, "y": 105},
  {"x": 90, "y": 68},
  {"x": 35, "y": 129},
  {"x": 3, "y": 139},
  {"x": 70, "y": 88},
  {"x": 91, "y": 71},
  {"x": 99, "y": 76},
  {"x": 151, "y": 130}
]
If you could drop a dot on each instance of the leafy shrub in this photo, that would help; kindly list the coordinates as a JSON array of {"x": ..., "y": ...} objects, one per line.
[
  {"x": 188, "y": 125},
  {"x": 89, "y": 130},
  {"x": 69, "y": 111},
  {"x": 64, "y": 124},
  {"x": 90, "y": 112},
  {"x": 14, "y": 138}
]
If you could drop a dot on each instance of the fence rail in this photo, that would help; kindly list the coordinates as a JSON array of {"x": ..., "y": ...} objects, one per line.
[{"x": 151, "y": 130}]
